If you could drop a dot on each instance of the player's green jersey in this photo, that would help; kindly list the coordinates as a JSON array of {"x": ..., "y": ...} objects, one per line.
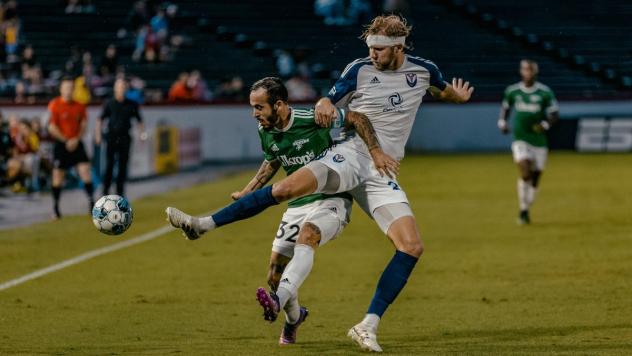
[
  {"x": 300, "y": 142},
  {"x": 532, "y": 104}
]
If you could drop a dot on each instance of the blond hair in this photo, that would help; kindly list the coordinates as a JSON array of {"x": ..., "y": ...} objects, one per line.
[{"x": 389, "y": 25}]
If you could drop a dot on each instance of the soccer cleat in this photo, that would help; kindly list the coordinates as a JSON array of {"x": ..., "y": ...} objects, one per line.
[
  {"x": 270, "y": 304},
  {"x": 189, "y": 225},
  {"x": 365, "y": 338},
  {"x": 523, "y": 218},
  {"x": 288, "y": 334}
]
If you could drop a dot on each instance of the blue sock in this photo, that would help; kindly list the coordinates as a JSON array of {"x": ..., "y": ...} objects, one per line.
[
  {"x": 391, "y": 282},
  {"x": 248, "y": 206}
]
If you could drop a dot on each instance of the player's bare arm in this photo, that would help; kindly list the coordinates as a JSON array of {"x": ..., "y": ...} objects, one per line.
[
  {"x": 384, "y": 163},
  {"x": 503, "y": 118},
  {"x": 266, "y": 171},
  {"x": 56, "y": 133},
  {"x": 459, "y": 92}
]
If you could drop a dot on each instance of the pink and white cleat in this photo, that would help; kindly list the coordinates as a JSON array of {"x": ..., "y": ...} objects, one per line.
[{"x": 270, "y": 304}]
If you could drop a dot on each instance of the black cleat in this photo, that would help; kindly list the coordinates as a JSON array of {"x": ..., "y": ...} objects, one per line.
[{"x": 523, "y": 218}]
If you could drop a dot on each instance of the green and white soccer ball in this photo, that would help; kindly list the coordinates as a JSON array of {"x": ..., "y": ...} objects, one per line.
[{"x": 112, "y": 215}]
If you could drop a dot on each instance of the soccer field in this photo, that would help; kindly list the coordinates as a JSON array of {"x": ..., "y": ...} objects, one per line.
[{"x": 484, "y": 285}]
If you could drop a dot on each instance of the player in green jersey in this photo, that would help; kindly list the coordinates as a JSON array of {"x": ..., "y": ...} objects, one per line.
[
  {"x": 290, "y": 138},
  {"x": 536, "y": 110}
]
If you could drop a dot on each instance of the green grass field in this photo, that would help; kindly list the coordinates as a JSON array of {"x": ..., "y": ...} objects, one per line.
[{"x": 484, "y": 286}]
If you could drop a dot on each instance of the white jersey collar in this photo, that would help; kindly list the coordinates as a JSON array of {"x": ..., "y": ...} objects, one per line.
[{"x": 529, "y": 90}]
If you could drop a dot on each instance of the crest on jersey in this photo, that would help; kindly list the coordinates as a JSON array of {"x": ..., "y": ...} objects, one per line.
[
  {"x": 274, "y": 148},
  {"x": 299, "y": 143},
  {"x": 411, "y": 79},
  {"x": 339, "y": 158}
]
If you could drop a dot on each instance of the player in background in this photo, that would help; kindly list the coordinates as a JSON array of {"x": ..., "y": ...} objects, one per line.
[
  {"x": 536, "y": 110},
  {"x": 388, "y": 88},
  {"x": 67, "y": 125},
  {"x": 118, "y": 112},
  {"x": 290, "y": 138}
]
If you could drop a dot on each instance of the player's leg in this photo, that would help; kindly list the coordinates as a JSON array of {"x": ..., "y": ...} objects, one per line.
[
  {"x": 537, "y": 167},
  {"x": 332, "y": 173},
  {"x": 86, "y": 177},
  {"x": 110, "y": 158},
  {"x": 123, "y": 159},
  {"x": 56, "y": 185},
  {"x": 315, "y": 177},
  {"x": 523, "y": 157}
]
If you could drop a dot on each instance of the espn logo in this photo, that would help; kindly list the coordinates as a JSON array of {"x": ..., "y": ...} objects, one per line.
[{"x": 604, "y": 135}]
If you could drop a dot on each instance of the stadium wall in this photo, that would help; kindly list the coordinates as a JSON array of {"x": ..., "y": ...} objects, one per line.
[{"x": 184, "y": 136}]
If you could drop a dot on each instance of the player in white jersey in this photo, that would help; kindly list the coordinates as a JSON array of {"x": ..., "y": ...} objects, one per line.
[{"x": 388, "y": 87}]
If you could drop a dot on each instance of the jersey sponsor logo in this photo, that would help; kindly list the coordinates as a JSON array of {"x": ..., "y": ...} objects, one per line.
[
  {"x": 274, "y": 148},
  {"x": 395, "y": 100},
  {"x": 527, "y": 107},
  {"x": 299, "y": 143},
  {"x": 374, "y": 81},
  {"x": 339, "y": 158},
  {"x": 411, "y": 79},
  {"x": 334, "y": 209},
  {"x": 535, "y": 98},
  {"x": 302, "y": 160}
]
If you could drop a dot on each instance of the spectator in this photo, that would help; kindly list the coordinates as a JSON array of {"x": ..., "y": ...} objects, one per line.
[
  {"x": 109, "y": 62},
  {"x": 285, "y": 64},
  {"x": 300, "y": 89},
  {"x": 10, "y": 10},
  {"x": 81, "y": 93},
  {"x": 6, "y": 148},
  {"x": 138, "y": 17},
  {"x": 180, "y": 90},
  {"x": 136, "y": 90},
  {"x": 333, "y": 11},
  {"x": 397, "y": 7},
  {"x": 231, "y": 89},
  {"x": 24, "y": 161},
  {"x": 11, "y": 31},
  {"x": 359, "y": 11},
  {"x": 198, "y": 86},
  {"x": 28, "y": 58}
]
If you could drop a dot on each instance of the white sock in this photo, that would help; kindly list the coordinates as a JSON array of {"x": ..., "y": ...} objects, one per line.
[
  {"x": 207, "y": 223},
  {"x": 292, "y": 310},
  {"x": 295, "y": 272},
  {"x": 371, "y": 321},
  {"x": 531, "y": 194},
  {"x": 523, "y": 194}
]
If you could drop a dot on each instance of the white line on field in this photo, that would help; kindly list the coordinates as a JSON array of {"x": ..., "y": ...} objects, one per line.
[{"x": 86, "y": 256}]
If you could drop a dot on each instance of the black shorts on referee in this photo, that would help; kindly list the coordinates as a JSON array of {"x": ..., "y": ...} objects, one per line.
[{"x": 63, "y": 159}]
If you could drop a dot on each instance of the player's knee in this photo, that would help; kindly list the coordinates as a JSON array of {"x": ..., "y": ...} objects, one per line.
[
  {"x": 309, "y": 235},
  {"x": 283, "y": 190},
  {"x": 413, "y": 247}
]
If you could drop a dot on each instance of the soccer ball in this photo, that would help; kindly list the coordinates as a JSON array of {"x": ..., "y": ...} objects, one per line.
[{"x": 112, "y": 215}]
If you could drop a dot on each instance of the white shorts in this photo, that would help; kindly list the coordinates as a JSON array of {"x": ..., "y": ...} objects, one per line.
[
  {"x": 359, "y": 177},
  {"x": 524, "y": 151},
  {"x": 330, "y": 215}
]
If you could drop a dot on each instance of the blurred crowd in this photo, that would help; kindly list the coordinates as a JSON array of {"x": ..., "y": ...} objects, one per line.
[{"x": 26, "y": 157}]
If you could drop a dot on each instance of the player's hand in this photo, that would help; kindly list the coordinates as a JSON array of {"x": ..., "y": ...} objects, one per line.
[
  {"x": 325, "y": 112},
  {"x": 236, "y": 195},
  {"x": 541, "y": 127},
  {"x": 462, "y": 89},
  {"x": 143, "y": 136},
  {"x": 72, "y": 144},
  {"x": 503, "y": 127},
  {"x": 384, "y": 163},
  {"x": 97, "y": 140}
]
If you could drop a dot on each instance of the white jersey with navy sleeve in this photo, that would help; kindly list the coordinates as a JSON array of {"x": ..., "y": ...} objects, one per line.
[{"x": 389, "y": 98}]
